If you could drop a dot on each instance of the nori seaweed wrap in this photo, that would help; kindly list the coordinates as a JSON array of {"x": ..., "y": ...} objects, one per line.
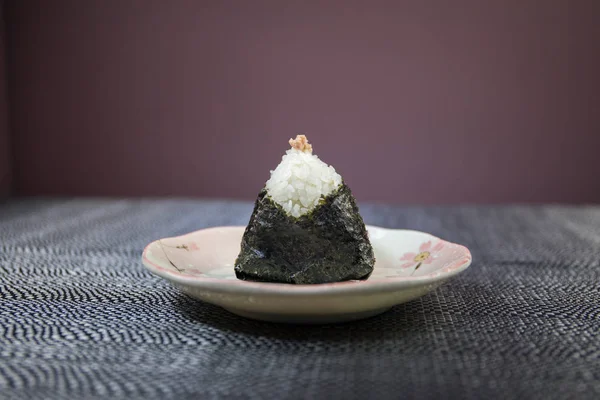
[{"x": 306, "y": 230}]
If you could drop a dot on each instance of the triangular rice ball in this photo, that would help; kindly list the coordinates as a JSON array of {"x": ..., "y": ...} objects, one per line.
[{"x": 305, "y": 227}]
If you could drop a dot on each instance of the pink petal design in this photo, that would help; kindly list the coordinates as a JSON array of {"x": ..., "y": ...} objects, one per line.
[
  {"x": 407, "y": 265},
  {"x": 428, "y": 260},
  {"x": 408, "y": 257},
  {"x": 425, "y": 246},
  {"x": 439, "y": 246},
  {"x": 193, "y": 246}
]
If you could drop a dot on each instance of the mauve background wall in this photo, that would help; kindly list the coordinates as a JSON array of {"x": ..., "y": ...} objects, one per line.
[
  {"x": 5, "y": 160},
  {"x": 412, "y": 101}
]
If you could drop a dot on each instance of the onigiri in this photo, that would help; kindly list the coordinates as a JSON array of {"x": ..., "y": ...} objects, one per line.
[{"x": 305, "y": 227}]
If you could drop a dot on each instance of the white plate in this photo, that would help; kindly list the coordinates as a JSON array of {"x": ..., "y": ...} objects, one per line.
[{"x": 409, "y": 264}]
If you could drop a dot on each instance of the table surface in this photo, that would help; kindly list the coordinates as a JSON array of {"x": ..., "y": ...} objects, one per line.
[{"x": 81, "y": 318}]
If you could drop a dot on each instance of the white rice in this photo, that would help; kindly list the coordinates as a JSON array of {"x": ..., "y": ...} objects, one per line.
[{"x": 300, "y": 181}]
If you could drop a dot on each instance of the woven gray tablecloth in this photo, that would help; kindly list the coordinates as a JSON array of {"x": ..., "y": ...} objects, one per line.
[{"x": 81, "y": 318}]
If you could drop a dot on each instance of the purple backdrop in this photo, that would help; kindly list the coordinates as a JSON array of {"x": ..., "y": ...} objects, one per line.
[
  {"x": 5, "y": 161},
  {"x": 412, "y": 101}
]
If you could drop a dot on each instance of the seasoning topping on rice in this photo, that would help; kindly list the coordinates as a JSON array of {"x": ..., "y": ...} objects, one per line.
[{"x": 301, "y": 143}]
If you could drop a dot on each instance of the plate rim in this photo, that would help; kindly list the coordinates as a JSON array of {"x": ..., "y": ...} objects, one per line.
[{"x": 286, "y": 289}]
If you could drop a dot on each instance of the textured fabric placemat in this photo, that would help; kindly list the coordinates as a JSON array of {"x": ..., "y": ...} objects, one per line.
[{"x": 81, "y": 318}]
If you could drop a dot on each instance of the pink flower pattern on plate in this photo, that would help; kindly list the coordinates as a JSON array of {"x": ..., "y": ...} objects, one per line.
[
  {"x": 427, "y": 253},
  {"x": 191, "y": 246}
]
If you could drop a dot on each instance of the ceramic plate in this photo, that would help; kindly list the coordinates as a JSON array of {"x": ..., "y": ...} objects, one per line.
[{"x": 409, "y": 264}]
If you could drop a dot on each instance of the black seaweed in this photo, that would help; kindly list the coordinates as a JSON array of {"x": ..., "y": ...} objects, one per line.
[{"x": 329, "y": 244}]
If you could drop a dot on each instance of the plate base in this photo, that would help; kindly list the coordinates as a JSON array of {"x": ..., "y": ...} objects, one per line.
[{"x": 307, "y": 318}]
